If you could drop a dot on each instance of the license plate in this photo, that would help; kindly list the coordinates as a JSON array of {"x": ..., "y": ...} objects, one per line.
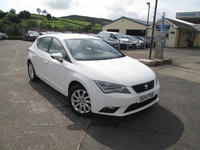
[{"x": 145, "y": 97}]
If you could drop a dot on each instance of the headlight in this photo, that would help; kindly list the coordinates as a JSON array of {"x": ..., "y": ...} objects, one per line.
[
  {"x": 123, "y": 42},
  {"x": 157, "y": 81},
  {"x": 111, "y": 88}
]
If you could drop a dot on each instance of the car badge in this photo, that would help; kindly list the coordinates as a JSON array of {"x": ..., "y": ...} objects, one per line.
[{"x": 146, "y": 86}]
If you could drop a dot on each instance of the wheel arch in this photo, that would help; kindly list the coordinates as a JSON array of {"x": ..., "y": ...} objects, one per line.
[
  {"x": 74, "y": 83},
  {"x": 28, "y": 61}
]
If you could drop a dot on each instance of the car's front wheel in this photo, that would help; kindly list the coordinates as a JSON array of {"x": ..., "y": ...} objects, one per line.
[
  {"x": 31, "y": 72},
  {"x": 134, "y": 46},
  {"x": 79, "y": 101}
]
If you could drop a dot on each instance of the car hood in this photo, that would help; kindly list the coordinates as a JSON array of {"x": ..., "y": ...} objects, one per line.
[
  {"x": 125, "y": 71},
  {"x": 124, "y": 39}
]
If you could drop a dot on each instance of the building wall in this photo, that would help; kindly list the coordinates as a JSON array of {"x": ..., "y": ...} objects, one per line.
[
  {"x": 197, "y": 40},
  {"x": 172, "y": 38},
  {"x": 177, "y": 37},
  {"x": 123, "y": 25},
  {"x": 187, "y": 36}
]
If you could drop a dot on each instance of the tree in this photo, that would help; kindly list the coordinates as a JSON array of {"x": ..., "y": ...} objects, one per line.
[
  {"x": 24, "y": 14},
  {"x": 16, "y": 30},
  {"x": 12, "y": 11},
  {"x": 55, "y": 28},
  {"x": 88, "y": 27},
  {"x": 48, "y": 16},
  {"x": 48, "y": 26},
  {"x": 93, "y": 23},
  {"x": 44, "y": 12},
  {"x": 31, "y": 23},
  {"x": 1, "y": 26},
  {"x": 2, "y": 14},
  {"x": 39, "y": 11},
  {"x": 69, "y": 27},
  {"x": 12, "y": 18}
]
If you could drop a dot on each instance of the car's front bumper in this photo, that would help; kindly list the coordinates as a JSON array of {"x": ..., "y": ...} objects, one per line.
[{"x": 118, "y": 104}]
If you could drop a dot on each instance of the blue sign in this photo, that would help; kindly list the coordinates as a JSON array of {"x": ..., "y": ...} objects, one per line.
[
  {"x": 163, "y": 27},
  {"x": 188, "y": 15}
]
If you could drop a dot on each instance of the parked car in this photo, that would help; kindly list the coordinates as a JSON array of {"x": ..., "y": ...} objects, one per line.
[
  {"x": 43, "y": 33},
  {"x": 114, "y": 43},
  {"x": 124, "y": 41},
  {"x": 137, "y": 42},
  {"x": 145, "y": 39},
  {"x": 3, "y": 36},
  {"x": 94, "y": 76},
  {"x": 31, "y": 35}
]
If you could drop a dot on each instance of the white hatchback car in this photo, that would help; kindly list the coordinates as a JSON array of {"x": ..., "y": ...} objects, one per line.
[{"x": 94, "y": 76}]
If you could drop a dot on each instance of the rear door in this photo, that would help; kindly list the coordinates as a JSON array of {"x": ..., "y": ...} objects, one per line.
[{"x": 40, "y": 54}]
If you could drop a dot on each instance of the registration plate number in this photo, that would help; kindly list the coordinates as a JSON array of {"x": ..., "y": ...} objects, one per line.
[{"x": 145, "y": 97}]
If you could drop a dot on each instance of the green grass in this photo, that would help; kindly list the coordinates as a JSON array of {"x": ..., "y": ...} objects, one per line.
[
  {"x": 77, "y": 22},
  {"x": 61, "y": 22}
]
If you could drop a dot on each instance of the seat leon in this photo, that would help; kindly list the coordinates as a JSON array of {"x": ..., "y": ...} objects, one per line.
[{"x": 94, "y": 77}]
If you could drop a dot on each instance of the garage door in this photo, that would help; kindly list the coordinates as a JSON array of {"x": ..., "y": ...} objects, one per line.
[
  {"x": 113, "y": 30},
  {"x": 136, "y": 32}
]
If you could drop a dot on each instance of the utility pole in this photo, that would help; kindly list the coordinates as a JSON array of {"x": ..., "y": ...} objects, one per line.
[
  {"x": 148, "y": 3},
  {"x": 153, "y": 26}
]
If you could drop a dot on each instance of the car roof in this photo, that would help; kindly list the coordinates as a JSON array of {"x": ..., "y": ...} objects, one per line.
[{"x": 69, "y": 36}]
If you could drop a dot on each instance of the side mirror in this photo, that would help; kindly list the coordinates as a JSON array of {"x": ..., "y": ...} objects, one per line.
[{"x": 57, "y": 56}]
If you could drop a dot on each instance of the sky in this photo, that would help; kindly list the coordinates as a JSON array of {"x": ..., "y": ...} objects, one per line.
[{"x": 108, "y": 9}]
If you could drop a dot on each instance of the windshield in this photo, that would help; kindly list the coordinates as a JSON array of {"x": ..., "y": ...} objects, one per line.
[
  {"x": 121, "y": 36},
  {"x": 34, "y": 33},
  {"x": 91, "y": 49}
]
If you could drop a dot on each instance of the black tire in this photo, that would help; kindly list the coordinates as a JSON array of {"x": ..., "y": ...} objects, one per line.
[
  {"x": 134, "y": 46},
  {"x": 31, "y": 72},
  {"x": 79, "y": 101}
]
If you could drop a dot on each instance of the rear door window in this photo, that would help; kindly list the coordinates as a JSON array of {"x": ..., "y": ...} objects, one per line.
[{"x": 44, "y": 43}]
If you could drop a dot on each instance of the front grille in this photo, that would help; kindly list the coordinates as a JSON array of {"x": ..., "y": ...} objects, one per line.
[
  {"x": 143, "y": 87},
  {"x": 139, "y": 105}
]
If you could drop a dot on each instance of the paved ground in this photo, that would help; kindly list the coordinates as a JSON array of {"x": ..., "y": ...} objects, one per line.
[{"x": 35, "y": 116}]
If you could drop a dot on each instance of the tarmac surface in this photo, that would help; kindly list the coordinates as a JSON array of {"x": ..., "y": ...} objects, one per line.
[{"x": 34, "y": 116}]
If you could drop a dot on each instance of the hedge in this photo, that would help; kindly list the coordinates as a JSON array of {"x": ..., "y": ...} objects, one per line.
[{"x": 15, "y": 37}]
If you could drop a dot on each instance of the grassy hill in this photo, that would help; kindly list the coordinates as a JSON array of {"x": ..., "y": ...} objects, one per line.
[
  {"x": 12, "y": 25},
  {"x": 101, "y": 21},
  {"x": 73, "y": 22}
]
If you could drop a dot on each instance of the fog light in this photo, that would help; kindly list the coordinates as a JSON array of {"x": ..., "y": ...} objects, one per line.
[{"x": 109, "y": 109}]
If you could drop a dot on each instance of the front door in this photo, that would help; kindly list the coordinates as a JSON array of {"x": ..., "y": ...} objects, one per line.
[{"x": 55, "y": 70}]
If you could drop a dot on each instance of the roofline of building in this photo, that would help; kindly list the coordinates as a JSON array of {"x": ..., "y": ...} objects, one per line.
[
  {"x": 176, "y": 26},
  {"x": 159, "y": 20},
  {"x": 130, "y": 19}
]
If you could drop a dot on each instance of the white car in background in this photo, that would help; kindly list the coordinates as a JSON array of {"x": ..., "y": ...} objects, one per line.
[{"x": 94, "y": 76}]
